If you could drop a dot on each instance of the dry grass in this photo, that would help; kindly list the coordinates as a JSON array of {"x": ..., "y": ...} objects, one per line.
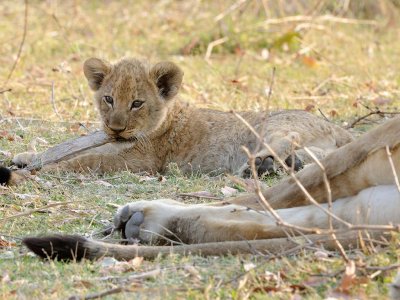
[{"x": 322, "y": 65}]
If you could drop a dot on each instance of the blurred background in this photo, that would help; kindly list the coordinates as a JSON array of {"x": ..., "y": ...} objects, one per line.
[{"x": 338, "y": 57}]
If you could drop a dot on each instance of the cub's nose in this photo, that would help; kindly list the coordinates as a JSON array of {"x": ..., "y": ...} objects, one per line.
[{"x": 117, "y": 129}]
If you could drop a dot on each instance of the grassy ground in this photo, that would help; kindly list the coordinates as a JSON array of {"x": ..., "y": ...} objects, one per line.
[{"x": 335, "y": 67}]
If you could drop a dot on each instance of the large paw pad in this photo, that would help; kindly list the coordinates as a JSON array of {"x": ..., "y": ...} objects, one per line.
[{"x": 129, "y": 222}]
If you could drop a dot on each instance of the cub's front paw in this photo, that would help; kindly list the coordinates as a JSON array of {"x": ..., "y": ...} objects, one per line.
[
  {"x": 147, "y": 221},
  {"x": 264, "y": 166},
  {"x": 267, "y": 166},
  {"x": 25, "y": 158}
]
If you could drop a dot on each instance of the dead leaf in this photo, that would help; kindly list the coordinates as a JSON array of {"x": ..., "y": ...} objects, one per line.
[
  {"x": 249, "y": 185},
  {"x": 333, "y": 113},
  {"x": 136, "y": 262},
  {"x": 265, "y": 54},
  {"x": 382, "y": 101},
  {"x": 200, "y": 194},
  {"x": 104, "y": 183},
  {"x": 309, "y": 61},
  {"x": 9, "y": 136},
  {"x": 3, "y": 134},
  {"x": 38, "y": 140},
  {"x": 76, "y": 127},
  {"x": 107, "y": 262},
  {"x": 147, "y": 178},
  {"x": 5, "y": 244},
  {"x": 228, "y": 191},
  {"x": 194, "y": 273},
  {"x": 249, "y": 266},
  {"x": 161, "y": 179},
  {"x": 242, "y": 282},
  {"x": 321, "y": 254},
  {"x": 83, "y": 283},
  {"x": 5, "y": 153},
  {"x": 5, "y": 278},
  {"x": 26, "y": 196},
  {"x": 269, "y": 276},
  {"x": 310, "y": 107},
  {"x": 110, "y": 264},
  {"x": 348, "y": 278}
]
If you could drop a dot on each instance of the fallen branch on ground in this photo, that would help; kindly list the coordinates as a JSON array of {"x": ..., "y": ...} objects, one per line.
[{"x": 69, "y": 149}]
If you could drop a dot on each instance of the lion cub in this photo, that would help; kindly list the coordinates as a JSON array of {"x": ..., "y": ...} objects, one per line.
[{"x": 137, "y": 105}]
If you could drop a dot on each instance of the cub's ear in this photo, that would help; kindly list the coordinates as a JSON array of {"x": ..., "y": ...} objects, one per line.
[
  {"x": 95, "y": 70},
  {"x": 168, "y": 78}
]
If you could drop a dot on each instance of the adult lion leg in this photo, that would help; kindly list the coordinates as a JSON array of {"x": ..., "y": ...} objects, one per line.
[
  {"x": 162, "y": 220},
  {"x": 202, "y": 223}
]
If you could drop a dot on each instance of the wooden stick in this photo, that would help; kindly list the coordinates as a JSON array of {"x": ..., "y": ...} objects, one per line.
[{"x": 69, "y": 149}]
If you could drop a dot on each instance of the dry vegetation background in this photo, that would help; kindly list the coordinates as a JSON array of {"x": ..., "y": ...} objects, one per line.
[{"x": 339, "y": 58}]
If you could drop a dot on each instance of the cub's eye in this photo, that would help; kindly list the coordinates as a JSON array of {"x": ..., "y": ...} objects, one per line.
[
  {"x": 108, "y": 100},
  {"x": 136, "y": 104}
]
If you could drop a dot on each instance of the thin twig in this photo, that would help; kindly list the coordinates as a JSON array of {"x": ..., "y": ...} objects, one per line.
[
  {"x": 53, "y": 102},
  {"x": 6, "y": 90},
  {"x": 324, "y": 18},
  {"x": 323, "y": 115},
  {"x": 386, "y": 268},
  {"x": 211, "y": 46},
  {"x": 329, "y": 195},
  {"x": 396, "y": 179},
  {"x": 21, "y": 45},
  {"x": 372, "y": 112},
  {"x": 117, "y": 290},
  {"x": 230, "y": 9},
  {"x": 266, "y": 113},
  {"x": 31, "y": 211},
  {"x": 194, "y": 195}
]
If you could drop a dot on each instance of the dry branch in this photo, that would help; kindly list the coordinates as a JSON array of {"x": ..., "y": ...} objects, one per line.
[
  {"x": 319, "y": 19},
  {"x": 31, "y": 211},
  {"x": 231, "y": 9},
  {"x": 69, "y": 149},
  {"x": 396, "y": 178},
  {"x": 213, "y": 44},
  {"x": 372, "y": 112},
  {"x": 329, "y": 197}
]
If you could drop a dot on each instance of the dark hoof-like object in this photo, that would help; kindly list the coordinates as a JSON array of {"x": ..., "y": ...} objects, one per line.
[
  {"x": 298, "y": 164},
  {"x": 266, "y": 167},
  {"x": 131, "y": 229},
  {"x": 263, "y": 167}
]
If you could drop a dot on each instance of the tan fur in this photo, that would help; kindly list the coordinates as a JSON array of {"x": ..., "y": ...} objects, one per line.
[
  {"x": 164, "y": 130},
  {"x": 363, "y": 189},
  {"x": 350, "y": 169}
]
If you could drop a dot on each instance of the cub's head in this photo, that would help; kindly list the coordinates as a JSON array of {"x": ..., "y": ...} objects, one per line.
[{"x": 132, "y": 98}]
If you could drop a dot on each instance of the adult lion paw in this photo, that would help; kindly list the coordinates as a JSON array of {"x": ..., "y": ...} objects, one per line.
[
  {"x": 25, "y": 158},
  {"x": 147, "y": 221}
]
